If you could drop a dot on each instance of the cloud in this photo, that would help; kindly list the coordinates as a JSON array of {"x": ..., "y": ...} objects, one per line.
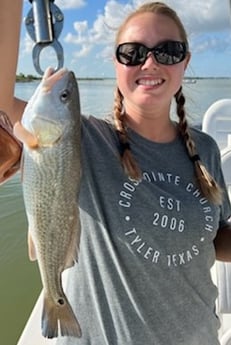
[
  {"x": 213, "y": 42},
  {"x": 85, "y": 49},
  {"x": 101, "y": 32},
  {"x": 70, "y": 4},
  {"x": 81, "y": 33},
  {"x": 203, "y": 16},
  {"x": 26, "y": 45},
  {"x": 104, "y": 26}
]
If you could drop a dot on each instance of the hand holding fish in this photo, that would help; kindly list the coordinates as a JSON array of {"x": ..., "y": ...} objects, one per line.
[{"x": 10, "y": 150}]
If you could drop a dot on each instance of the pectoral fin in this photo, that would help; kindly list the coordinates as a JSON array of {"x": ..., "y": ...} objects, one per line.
[
  {"x": 31, "y": 248},
  {"x": 25, "y": 136}
]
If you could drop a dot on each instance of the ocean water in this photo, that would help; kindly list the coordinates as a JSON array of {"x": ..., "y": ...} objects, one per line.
[{"x": 19, "y": 278}]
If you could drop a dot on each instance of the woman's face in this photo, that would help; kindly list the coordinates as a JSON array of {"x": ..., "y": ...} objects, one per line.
[{"x": 150, "y": 85}]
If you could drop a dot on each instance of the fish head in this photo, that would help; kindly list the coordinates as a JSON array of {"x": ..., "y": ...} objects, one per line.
[{"x": 54, "y": 107}]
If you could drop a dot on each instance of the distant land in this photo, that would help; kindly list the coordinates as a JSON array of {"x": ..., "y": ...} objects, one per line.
[
  {"x": 29, "y": 78},
  {"x": 26, "y": 78}
]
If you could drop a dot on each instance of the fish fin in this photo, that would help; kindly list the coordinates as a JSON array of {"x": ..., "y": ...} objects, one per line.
[
  {"x": 48, "y": 132},
  {"x": 31, "y": 248},
  {"x": 22, "y": 167},
  {"x": 73, "y": 252},
  {"x": 59, "y": 316},
  {"x": 25, "y": 136}
]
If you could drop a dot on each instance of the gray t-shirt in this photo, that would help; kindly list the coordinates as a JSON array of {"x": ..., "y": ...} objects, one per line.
[{"x": 143, "y": 276}]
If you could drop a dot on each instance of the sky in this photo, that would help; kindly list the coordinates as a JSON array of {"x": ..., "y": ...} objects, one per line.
[{"x": 89, "y": 29}]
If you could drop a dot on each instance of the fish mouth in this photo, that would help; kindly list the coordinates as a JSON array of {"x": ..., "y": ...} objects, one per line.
[
  {"x": 51, "y": 72},
  {"x": 51, "y": 77}
]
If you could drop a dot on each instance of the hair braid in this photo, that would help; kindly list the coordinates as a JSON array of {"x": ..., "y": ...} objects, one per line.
[
  {"x": 206, "y": 182},
  {"x": 128, "y": 162}
]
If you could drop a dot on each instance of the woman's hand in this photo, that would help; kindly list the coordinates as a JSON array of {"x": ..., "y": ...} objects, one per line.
[{"x": 10, "y": 150}]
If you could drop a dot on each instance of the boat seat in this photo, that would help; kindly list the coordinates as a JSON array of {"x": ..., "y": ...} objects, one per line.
[{"x": 217, "y": 121}]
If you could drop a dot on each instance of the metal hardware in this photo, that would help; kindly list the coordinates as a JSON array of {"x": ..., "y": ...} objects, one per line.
[{"x": 44, "y": 23}]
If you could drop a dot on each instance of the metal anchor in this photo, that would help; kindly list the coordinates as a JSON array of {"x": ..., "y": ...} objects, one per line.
[{"x": 44, "y": 23}]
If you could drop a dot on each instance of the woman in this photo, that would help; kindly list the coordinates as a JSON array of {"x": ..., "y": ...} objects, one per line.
[{"x": 149, "y": 225}]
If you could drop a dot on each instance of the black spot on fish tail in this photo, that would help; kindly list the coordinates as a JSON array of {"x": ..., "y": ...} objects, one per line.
[
  {"x": 59, "y": 316},
  {"x": 61, "y": 301}
]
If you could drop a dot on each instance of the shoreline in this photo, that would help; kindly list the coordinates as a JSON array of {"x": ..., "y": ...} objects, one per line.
[{"x": 31, "y": 78}]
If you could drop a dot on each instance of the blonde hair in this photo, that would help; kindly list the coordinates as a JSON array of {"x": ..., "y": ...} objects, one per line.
[{"x": 207, "y": 185}]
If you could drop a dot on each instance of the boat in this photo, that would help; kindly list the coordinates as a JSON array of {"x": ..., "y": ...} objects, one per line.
[
  {"x": 217, "y": 123},
  {"x": 189, "y": 81}
]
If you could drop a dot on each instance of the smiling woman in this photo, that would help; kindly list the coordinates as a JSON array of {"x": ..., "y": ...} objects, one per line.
[{"x": 158, "y": 76}]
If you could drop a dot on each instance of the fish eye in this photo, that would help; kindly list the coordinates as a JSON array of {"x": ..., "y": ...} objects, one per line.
[{"x": 65, "y": 95}]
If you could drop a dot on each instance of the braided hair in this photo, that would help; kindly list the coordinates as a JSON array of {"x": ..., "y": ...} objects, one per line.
[
  {"x": 206, "y": 183},
  {"x": 129, "y": 164}
]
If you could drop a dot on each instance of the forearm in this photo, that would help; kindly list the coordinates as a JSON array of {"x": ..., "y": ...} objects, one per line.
[
  {"x": 222, "y": 244},
  {"x": 10, "y": 22}
]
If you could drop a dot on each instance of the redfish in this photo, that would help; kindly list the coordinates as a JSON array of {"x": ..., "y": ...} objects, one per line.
[{"x": 50, "y": 133}]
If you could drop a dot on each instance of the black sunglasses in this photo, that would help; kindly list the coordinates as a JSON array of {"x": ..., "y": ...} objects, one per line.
[{"x": 166, "y": 53}]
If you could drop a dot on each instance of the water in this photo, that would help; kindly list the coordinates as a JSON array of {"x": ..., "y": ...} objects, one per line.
[{"x": 20, "y": 281}]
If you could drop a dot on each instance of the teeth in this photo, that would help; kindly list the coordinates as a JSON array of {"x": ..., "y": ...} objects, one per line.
[{"x": 149, "y": 82}]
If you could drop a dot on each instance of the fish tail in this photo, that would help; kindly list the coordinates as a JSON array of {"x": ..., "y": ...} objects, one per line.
[{"x": 59, "y": 316}]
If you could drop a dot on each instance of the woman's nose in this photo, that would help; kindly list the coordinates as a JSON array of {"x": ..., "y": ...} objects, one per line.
[{"x": 150, "y": 61}]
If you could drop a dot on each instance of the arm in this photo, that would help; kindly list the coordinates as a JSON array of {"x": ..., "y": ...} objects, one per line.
[
  {"x": 222, "y": 243},
  {"x": 10, "y": 21},
  {"x": 10, "y": 107}
]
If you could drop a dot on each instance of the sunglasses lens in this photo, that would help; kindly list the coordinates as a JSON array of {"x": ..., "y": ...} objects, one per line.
[
  {"x": 170, "y": 52},
  {"x": 166, "y": 53},
  {"x": 131, "y": 54}
]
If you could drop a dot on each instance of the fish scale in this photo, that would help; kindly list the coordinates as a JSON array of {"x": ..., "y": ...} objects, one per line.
[{"x": 50, "y": 133}]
